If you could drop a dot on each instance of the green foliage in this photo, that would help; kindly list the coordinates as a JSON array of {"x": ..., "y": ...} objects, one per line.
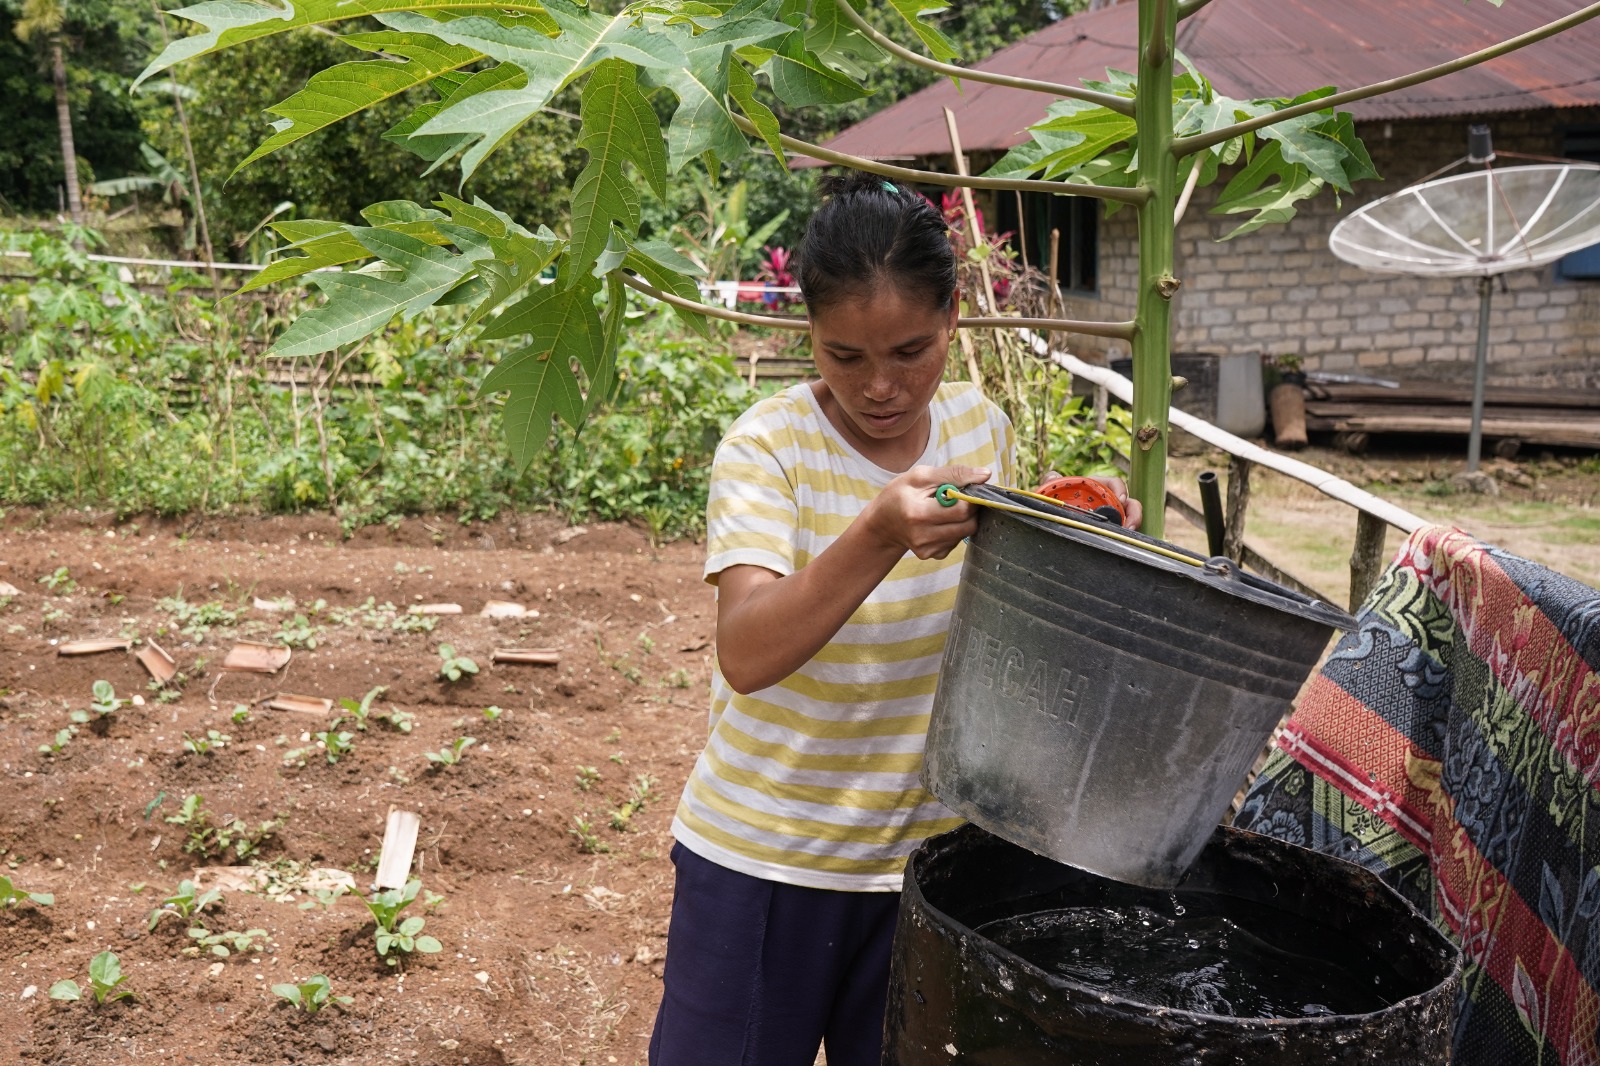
[
  {"x": 59, "y": 742},
  {"x": 589, "y": 841},
  {"x": 297, "y": 632},
  {"x": 205, "y": 743},
  {"x": 231, "y": 942},
  {"x": 392, "y": 933},
  {"x": 209, "y": 839},
  {"x": 453, "y": 667},
  {"x": 312, "y": 994},
  {"x": 59, "y": 581},
  {"x": 187, "y": 903},
  {"x": 105, "y": 981},
  {"x": 452, "y": 753},
  {"x": 586, "y": 778},
  {"x": 11, "y": 896},
  {"x": 335, "y": 745},
  {"x": 103, "y": 706}
]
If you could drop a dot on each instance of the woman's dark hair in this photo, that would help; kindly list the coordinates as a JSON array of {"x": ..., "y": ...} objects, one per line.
[{"x": 869, "y": 232}]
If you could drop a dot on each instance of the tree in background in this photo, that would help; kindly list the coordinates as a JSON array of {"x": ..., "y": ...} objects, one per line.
[{"x": 65, "y": 66}]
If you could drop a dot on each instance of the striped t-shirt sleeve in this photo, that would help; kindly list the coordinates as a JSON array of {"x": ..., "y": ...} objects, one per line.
[{"x": 751, "y": 515}]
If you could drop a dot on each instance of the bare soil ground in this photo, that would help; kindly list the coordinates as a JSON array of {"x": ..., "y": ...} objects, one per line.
[{"x": 550, "y": 954}]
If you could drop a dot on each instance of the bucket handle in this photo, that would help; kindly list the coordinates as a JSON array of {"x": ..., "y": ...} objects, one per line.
[{"x": 948, "y": 495}]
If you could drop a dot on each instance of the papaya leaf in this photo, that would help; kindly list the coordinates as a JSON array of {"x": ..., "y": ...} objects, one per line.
[
  {"x": 801, "y": 80},
  {"x": 330, "y": 244},
  {"x": 663, "y": 272},
  {"x": 343, "y": 90},
  {"x": 415, "y": 276},
  {"x": 1268, "y": 187},
  {"x": 487, "y": 119},
  {"x": 839, "y": 44},
  {"x": 603, "y": 377},
  {"x": 618, "y": 124},
  {"x": 912, "y": 11},
  {"x": 231, "y": 22},
  {"x": 452, "y": 87},
  {"x": 702, "y": 123},
  {"x": 562, "y": 325},
  {"x": 742, "y": 87}
]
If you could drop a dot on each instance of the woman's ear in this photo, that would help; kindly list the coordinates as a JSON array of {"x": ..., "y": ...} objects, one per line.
[{"x": 955, "y": 308}]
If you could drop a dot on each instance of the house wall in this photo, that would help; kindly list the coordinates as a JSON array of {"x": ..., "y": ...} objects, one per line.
[{"x": 1280, "y": 290}]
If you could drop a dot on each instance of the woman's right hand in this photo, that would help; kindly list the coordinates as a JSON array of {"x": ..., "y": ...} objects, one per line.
[{"x": 906, "y": 514}]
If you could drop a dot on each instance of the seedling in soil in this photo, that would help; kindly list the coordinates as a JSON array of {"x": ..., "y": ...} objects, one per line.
[
  {"x": 336, "y": 745},
  {"x": 105, "y": 981},
  {"x": 104, "y": 705},
  {"x": 298, "y": 632},
  {"x": 679, "y": 678},
  {"x": 207, "y": 840},
  {"x": 187, "y": 902},
  {"x": 359, "y": 712},
  {"x": 205, "y": 744},
  {"x": 643, "y": 792},
  {"x": 60, "y": 582},
  {"x": 450, "y": 756},
  {"x": 197, "y": 620},
  {"x": 312, "y": 994},
  {"x": 406, "y": 936},
  {"x": 62, "y": 739},
  {"x": 225, "y": 944},
  {"x": 324, "y": 897},
  {"x": 453, "y": 667},
  {"x": 492, "y": 714},
  {"x": 589, "y": 841},
  {"x": 241, "y": 714},
  {"x": 587, "y": 778},
  {"x": 11, "y": 896}
]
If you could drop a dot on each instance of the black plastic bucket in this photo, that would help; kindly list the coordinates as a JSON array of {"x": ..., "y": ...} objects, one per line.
[
  {"x": 957, "y": 997},
  {"x": 1100, "y": 702}
]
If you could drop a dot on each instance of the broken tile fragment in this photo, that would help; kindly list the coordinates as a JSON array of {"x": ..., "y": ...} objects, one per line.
[
  {"x": 92, "y": 647},
  {"x": 156, "y": 662},
  {"x": 528, "y": 656}
]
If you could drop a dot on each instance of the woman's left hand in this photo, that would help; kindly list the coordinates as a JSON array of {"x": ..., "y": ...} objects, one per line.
[{"x": 1132, "y": 509}]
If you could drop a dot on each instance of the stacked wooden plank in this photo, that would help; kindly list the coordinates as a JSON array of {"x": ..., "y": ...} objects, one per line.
[{"x": 1566, "y": 418}]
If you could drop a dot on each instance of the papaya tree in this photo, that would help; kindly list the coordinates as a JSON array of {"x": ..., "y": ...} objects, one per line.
[{"x": 666, "y": 84}]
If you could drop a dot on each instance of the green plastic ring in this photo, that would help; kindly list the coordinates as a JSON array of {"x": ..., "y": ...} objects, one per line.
[{"x": 945, "y": 495}]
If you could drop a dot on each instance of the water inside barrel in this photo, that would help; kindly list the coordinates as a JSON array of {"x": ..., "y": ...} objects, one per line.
[{"x": 1206, "y": 962}]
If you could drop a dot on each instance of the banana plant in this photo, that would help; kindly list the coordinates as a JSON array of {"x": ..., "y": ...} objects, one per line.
[{"x": 713, "y": 68}]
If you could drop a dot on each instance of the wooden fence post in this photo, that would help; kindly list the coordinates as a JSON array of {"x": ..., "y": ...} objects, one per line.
[
  {"x": 1366, "y": 559},
  {"x": 1238, "y": 501}
]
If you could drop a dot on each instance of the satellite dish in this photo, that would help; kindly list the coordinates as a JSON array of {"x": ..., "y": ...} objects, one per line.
[{"x": 1478, "y": 224}]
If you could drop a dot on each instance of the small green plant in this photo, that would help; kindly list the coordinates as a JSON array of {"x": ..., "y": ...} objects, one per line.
[
  {"x": 589, "y": 841},
  {"x": 324, "y": 897},
  {"x": 358, "y": 712},
  {"x": 103, "y": 706},
  {"x": 207, "y": 840},
  {"x": 453, "y": 667},
  {"x": 11, "y": 896},
  {"x": 399, "y": 721},
  {"x": 206, "y": 743},
  {"x": 336, "y": 745},
  {"x": 196, "y": 620},
  {"x": 402, "y": 936},
  {"x": 453, "y": 753},
  {"x": 492, "y": 714},
  {"x": 312, "y": 994},
  {"x": 679, "y": 678},
  {"x": 105, "y": 981},
  {"x": 232, "y": 942},
  {"x": 586, "y": 778},
  {"x": 187, "y": 902},
  {"x": 60, "y": 582},
  {"x": 240, "y": 715},
  {"x": 642, "y": 792},
  {"x": 63, "y": 737},
  {"x": 298, "y": 632}
]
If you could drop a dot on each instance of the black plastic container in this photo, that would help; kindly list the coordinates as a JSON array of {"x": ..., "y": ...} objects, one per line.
[{"x": 957, "y": 997}]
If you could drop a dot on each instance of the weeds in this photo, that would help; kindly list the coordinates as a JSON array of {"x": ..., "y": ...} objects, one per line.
[
  {"x": 209, "y": 840},
  {"x": 312, "y": 994},
  {"x": 63, "y": 737},
  {"x": 586, "y": 778},
  {"x": 187, "y": 903},
  {"x": 589, "y": 841},
  {"x": 453, "y": 667},
  {"x": 451, "y": 754},
  {"x": 642, "y": 792},
  {"x": 297, "y": 632},
  {"x": 105, "y": 981},
  {"x": 206, "y": 743},
  {"x": 405, "y": 937},
  {"x": 59, "y": 582},
  {"x": 11, "y": 896},
  {"x": 229, "y": 943},
  {"x": 196, "y": 621}
]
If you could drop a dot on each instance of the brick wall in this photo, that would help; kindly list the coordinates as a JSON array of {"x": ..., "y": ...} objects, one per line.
[{"x": 1280, "y": 290}]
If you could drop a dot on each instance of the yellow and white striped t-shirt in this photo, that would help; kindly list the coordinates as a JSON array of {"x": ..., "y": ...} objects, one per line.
[{"x": 816, "y": 780}]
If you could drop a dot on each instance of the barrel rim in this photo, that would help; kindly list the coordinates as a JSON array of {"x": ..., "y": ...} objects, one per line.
[{"x": 1109, "y": 1000}]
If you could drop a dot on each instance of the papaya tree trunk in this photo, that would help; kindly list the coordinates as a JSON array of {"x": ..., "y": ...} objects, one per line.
[
  {"x": 1152, "y": 339},
  {"x": 69, "y": 151}
]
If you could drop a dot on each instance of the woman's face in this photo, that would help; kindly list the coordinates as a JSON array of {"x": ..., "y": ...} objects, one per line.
[{"x": 881, "y": 357}]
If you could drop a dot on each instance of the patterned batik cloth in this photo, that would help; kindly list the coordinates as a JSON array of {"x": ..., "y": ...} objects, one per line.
[{"x": 1451, "y": 744}]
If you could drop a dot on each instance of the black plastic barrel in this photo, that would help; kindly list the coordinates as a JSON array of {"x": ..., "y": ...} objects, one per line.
[
  {"x": 956, "y": 997},
  {"x": 1101, "y": 700}
]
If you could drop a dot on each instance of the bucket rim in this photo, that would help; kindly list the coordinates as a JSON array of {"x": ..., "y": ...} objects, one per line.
[
  {"x": 1231, "y": 580},
  {"x": 1108, "y": 999}
]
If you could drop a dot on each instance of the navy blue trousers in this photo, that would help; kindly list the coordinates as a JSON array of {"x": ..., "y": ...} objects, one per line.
[{"x": 760, "y": 973}]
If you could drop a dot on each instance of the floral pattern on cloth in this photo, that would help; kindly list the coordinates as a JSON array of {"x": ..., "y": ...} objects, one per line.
[{"x": 1451, "y": 744}]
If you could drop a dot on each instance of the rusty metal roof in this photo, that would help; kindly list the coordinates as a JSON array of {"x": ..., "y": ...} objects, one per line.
[{"x": 1264, "y": 48}]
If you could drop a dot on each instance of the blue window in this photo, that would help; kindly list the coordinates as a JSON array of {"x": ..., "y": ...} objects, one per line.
[{"x": 1581, "y": 144}]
